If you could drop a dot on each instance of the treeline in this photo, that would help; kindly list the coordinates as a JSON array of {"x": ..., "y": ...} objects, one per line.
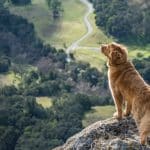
[
  {"x": 21, "y": 2},
  {"x": 125, "y": 20},
  {"x": 55, "y": 6}
]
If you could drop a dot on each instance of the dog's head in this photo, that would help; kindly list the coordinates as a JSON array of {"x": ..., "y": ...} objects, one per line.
[{"x": 116, "y": 53}]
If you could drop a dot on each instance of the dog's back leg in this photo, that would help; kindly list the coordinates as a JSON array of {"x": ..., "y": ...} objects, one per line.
[{"x": 144, "y": 128}]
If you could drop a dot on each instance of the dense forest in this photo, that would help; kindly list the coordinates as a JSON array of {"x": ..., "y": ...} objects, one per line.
[
  {"x": 124, "y": 19},
  {"x": 74, "y": 86}
]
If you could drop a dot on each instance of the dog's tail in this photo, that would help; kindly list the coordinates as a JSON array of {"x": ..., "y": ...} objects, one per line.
[{"x": 144, "y": 127}]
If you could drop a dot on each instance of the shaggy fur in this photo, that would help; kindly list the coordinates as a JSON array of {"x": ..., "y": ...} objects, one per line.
[{"x": 127, "y": 86}]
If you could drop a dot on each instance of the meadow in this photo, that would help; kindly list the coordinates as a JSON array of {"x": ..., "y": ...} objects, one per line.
[
  {"x": 9, "y": 79},
  {"x": 59, "y": 33},
  {"x": 45, "y": 102}
]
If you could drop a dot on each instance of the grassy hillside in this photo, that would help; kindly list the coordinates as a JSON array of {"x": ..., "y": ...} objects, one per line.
[
  {"x": 59, "y": 33},
  {"x": 95, "y": 58},
  {"x": 69, "y": 28}
]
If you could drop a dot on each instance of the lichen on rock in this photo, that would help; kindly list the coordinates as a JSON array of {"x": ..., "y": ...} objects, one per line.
[{"x": 109, "y": 134}]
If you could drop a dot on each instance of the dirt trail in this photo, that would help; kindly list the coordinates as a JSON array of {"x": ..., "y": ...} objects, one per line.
[{"x": 75, "y": 45}]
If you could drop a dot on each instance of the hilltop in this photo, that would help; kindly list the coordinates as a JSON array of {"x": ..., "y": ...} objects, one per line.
[{"x": 108, "y": 134}]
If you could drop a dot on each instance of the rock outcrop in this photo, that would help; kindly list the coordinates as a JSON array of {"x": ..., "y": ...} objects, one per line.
[{"x": 106, "y": 135}]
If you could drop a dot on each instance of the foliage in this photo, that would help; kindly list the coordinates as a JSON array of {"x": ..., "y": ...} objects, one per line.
[
  {"x": 56, "y": 7},
  {"x": 27, "y": 122},
  {"x": 8, "y": 90},
  {"x": 21, "y": 2},
  {"x": 143, "y": 67},
  {"x": 19, "y": 41},
  {"x": 123, "y": 19},
  {"x": 5, "y": 63},
  {"x": 92, "y": 75}
]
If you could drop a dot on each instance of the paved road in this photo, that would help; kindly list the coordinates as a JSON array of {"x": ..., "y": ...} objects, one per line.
[{"x": 75, "y": 45}]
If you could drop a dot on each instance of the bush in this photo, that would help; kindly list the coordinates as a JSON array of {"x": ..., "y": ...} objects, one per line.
[
  {"x": 8, "y": 90},
  {"x": 143, "y": 67},
  {"x": 4, "y": 64}
]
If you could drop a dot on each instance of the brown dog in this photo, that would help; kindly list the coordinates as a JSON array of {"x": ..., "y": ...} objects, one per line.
[{"x": 127, "y": 85}]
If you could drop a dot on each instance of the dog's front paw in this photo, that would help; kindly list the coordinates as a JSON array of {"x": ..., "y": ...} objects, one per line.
[
  {"x": 126, "y": 114},
  {"x": 117, "y": 116}
]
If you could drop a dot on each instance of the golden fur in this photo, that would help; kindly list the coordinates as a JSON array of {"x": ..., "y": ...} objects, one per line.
[{"x": 127, "y": 86}]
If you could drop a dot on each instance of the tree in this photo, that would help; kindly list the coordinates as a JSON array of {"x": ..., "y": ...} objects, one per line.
[
  {"x": 21, "y": 2},
  {"x": 8, "y": 90},
  {"x": 127, "y": 21},
  {"x": 56, "y": 8},
  {"x": 91, "y": 75},
  {"x": 4, "y": 64}
]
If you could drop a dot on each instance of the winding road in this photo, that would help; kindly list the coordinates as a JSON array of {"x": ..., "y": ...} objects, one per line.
[{"x": 75, "y": 45}]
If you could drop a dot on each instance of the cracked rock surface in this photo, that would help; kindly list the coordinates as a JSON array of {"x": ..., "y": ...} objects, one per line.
[{"x": 109, "y": 134}]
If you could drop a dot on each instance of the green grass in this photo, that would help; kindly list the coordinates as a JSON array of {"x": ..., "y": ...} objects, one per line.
[
  {"x": 135, "y": 50},
  {"x": 9, "y": 78},
  {"x": 98, "y": 113},
  {"x": 95, "y": 58},
  {"x": 71, "y": 26},
  {"x": 46, "y": 102},
  {"x": 58, "y": 33}
]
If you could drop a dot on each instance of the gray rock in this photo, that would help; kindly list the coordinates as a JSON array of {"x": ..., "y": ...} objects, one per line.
[{"x": 109, "y": 134}]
